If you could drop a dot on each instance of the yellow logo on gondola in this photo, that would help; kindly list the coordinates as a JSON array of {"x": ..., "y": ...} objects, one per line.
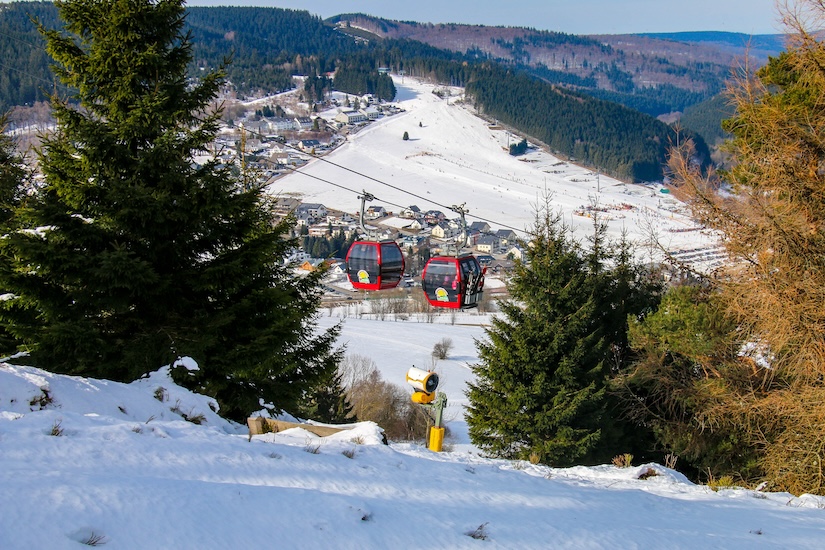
[
  {"x": 363, "y": 276},
  {"x": 441, "y": 295}
]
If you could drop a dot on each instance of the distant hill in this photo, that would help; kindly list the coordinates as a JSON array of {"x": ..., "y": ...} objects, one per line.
[
  {"x": 758, "y": 45},
  {"x": 706, "y": 118},
  {"x": 655, "y": 74}
]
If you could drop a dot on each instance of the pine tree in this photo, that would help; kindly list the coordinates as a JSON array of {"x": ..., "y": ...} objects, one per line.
[
  {"x": 140, "y": 255},
  {"x": 541, "y": 385},
  {"x": 328, "y": 402}
]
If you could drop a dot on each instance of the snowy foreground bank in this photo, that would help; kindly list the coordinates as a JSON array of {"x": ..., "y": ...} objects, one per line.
[{"x": 104, "y": 463}]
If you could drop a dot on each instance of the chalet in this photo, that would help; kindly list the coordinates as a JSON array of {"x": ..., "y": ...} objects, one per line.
[
  {"x": 472, "y": 236},
  {"x": 515, "y": 253},
  {"x": 445, "y": 230},
  {"x": 481, "y": 227},
  {"x": 319, "y": 230},
  {"x": 487, "y": 243},
  {"x": 286, "y": 205},
  {"x": 279, "y": 124},
  {"x": 432, "y": 217},
  {"x": 323, "y": 229},
  {"x": 255, "y": 145},
  {"x": 371, "y": 113},
  {"x": 312, "y": 264},
  {"x": 255, "y": 127},
  {"x": 485, "y": 259},
  {"x": 375, "y": 212},
  {"x": 411, "y": 212},
  {"x": 414, "y": 225},
  {"x": 337, "y": 268},
  {"x": 279, "y": 157},
  {"x": 507, "y": 236},
  {"x": 312, "y": 211},
  {"x": 308, "y": 145},
  {"x": 303, "y": 218},
  {"x": 414, "y": 241}
]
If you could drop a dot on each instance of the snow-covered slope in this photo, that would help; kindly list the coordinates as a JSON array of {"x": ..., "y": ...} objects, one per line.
[{"x": 87, "y": 460}]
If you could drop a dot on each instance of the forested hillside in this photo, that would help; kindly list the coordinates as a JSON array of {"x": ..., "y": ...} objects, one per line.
[
  {"x": 266, "y": 47},
  {"x": 25, "y": 77},
  {"x": 620, "y": 141},
  {"x": 706, "y": 118},
  {"x": 656, "y": 74}
]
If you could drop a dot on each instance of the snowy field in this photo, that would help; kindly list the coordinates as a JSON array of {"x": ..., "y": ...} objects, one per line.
[{"x": 91, "y": 462}]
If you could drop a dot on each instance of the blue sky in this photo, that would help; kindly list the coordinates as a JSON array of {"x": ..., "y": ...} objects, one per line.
[{"x": 571, "y": 16}]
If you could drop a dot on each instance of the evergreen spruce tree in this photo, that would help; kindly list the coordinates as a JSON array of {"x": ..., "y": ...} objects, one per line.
[
  {"x": 541, "y": 386},
  {"x": 328, "y": 402},
  {"x": 12, "y": 190},
  {"x": 12, "y": 177},
  {"x": 136, "y": 255}
]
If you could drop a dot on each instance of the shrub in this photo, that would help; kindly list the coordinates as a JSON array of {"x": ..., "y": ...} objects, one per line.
[
  {"x": 95, "y": 539},
  {"x": 623, "y": 461},
  {"x": 724, "y": 482},
  {"x": 479, "y": 533},
  {"x": 648, "y": 473},
  {"x": 161, "y": 394},
  {"x": 442, "y": 348},
  {"x": 57, "y": 429}
]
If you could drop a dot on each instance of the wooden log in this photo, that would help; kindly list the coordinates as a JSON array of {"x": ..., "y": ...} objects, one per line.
[{"x": 259, "y": 425}]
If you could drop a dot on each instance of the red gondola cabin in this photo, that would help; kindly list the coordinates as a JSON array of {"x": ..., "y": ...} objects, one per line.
[
  {"x": 374, "y": 265},
  {"x": 455, "y": 283}
]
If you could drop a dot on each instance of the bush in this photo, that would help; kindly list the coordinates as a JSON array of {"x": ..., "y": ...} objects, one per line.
[{"x": 442, "y": 348}]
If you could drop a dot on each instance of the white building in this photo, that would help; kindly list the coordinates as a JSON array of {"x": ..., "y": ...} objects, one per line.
[{"x": 351, "y": 117}]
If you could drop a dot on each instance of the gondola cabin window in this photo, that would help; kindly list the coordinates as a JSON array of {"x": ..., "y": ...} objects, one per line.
[
  {"x": 441, "y": 282},
  {"x": 374, "y": 265}
]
